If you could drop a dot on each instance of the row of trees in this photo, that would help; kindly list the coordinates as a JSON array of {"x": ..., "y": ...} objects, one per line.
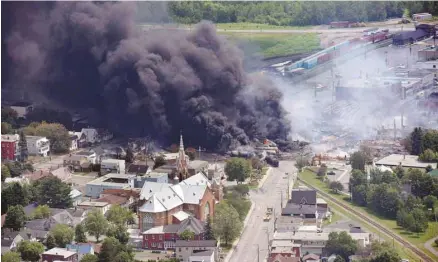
[
  {"x": 291, "y": 13},
  {"x": 423, "y": 143},
  {"x": 382, "y": 194},
  {"x": 49, "y": 191}
]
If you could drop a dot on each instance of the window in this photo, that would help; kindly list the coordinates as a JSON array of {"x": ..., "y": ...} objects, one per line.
[
  {"x": 161, "y": 237},
  {"x": 179, "y": 250},
  {"x": 146, "y": 237},
  {"x": 153, "y": 237},
  {"x": 434, "y": 66}
]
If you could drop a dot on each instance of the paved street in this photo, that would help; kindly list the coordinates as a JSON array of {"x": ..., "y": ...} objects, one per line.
[{"x": 269, "y": 195}]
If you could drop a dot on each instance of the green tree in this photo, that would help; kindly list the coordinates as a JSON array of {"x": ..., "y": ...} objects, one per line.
[
  {"x": 388, "y": 255},
  {"x": 22, "y": 144},
  {"x": 96, "y": 224},
  {"x": 89, "y": 258},
  {"x": 399, "y": 171},
  {"x": 159, "y": 161},
  {"x": 357, "y": 178},
  {"x": 50, "y": 241},
  {"x": 187, "y": 235},
  {"x": 80, "y": 236},
  {"x": 416, "y": 139},
  {"x": 62, "y": 234},
  {"x": 341, "y": 244},
  {"x": 422, "y": 184},
  {"x": 7, "y": 128},
  {"x": 322, "y": 171},
  {"x": 9, "y": 116},
  {"x": 430, "y": 201},
  {"x": 413, "y": 202},
  {"x": 54, "y": 193},
  {"x": 226, "y": 223},
  {"x": 119, "y": 232},
  {"x": 359, "y": 195},
  {"x": 385, "y": 200},
  {"x": 11, "y": 256},
  {"x": 30, "y": 250},
  {"x": 241, "y": 205},
  {"x": 242, "y": 189},
  {"x": 336, "y": 187},
  {"x": 129, "y": 158},
  {"x": 428, "y": 156},
  {"x": 208, "y": 230},
  {"x": 58, "y": 135},
  {"x": 357, "y": 160},
  {"x": 13, "y": 194},
  {"x": 256, "y": 163},
  {"x": 420, "y": 221},
  {"x": 238, "y": 169},
  {"x": 16, "y": 218},
  {"x": 120, "y": 215},
  {"x": 5, "y": 172},
  {"x": 42, "y": 211},
  {"x": 113, "y": 250},
  {"x": 301, "y": 163},
  {"x": 17, "y": 168}
]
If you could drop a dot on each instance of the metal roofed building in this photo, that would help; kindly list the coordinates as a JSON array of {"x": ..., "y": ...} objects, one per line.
[
  {"x": 408, "y": 161},
  {"x": 113, "y": 165},
  {"x": 110, "y": 181}
]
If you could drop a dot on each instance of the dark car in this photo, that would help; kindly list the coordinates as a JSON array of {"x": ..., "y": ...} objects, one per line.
[{"x": 331, "y": 173}]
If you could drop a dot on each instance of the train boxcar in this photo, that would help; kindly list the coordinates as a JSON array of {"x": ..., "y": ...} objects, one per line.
[
  {"x": 323, "y": 58},
  {"x": 310, "y": 63}
]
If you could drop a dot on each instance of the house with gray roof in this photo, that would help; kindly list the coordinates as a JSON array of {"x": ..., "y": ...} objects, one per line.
[
  {"x": 188, "y": 248},
  {"x": 303, "y": 196}
]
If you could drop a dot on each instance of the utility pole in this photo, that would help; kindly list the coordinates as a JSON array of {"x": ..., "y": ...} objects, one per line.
[
  {"x": 258, "y": 253},
  {"x": 267, "y": 234}
]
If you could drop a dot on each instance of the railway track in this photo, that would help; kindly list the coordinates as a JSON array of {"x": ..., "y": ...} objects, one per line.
[{"x": 423, "y": 256}]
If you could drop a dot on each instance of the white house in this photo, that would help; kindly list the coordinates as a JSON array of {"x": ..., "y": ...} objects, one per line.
[
  {"x": 91, "y": 135},
  {"x": 38, "y": 145},
  {"x": 113, "y": 166},
  {"x": 90, "y": 205},
  {"x": 74, "y": 141}
]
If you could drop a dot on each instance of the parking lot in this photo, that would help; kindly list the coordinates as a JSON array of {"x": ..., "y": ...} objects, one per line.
[{"x": 148, "y": 255}]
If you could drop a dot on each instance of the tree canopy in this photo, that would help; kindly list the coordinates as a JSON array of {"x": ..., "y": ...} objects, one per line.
[
  {"x": 57, "y": 134},
  {"x": 11, "y": 257},
  {"x": 238, "y": 169},
  {"x": 187, "y": 235},
  {"x": 341, "y": 244},
  {"x": 30, "y": 250},
  {"x": 80, "y": 236},
  {"x": 63, "y": 235},
  {"x": 16, "y": 218},
  {"x": 53, "y": 192},
  {"x": 226, "y": 223},
  {"x": 96, "y": 224}
]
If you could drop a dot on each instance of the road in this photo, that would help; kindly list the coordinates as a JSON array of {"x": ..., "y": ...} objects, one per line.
[{"x": 255, "y": 231}]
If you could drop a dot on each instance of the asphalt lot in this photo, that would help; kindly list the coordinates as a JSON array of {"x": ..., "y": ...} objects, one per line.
[
  {"x": 256, "y": 232},
  {"x": 342, "y": 173}
]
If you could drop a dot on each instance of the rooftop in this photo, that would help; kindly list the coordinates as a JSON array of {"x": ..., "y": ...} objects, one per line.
[
  {"x": 10, "y": 138},
  {"x": 297, "y": 209},
  {"x": 35, "y": 137},
  {"x": 113, "y": 161},
  {"x": 197, "y": 164},
  {"x": 404, "y": 160},
  {"x": 113, "y": 200},
  {"x": 112, "y": 179},
  {"x": 59, "y": 252},
  {"x": 85, "y": 153},
  {"x": 202, "y": 253},
  {"x": 191, "y": 223},
  {"x": 93, "y": 204},
  {"x": 137, "y": 169},
  {"x": 314, "y": 236},
  {"x": 196, "y": 180},
  {"x": 196, "y": 243},
  {"x": 303, "y": 196}
]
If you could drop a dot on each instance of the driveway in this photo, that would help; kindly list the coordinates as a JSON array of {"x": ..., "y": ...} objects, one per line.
[{"x": 430, "y": 246}]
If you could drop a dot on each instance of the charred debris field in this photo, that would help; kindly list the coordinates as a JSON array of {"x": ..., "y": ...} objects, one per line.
[{"x": 92, "y": 55}]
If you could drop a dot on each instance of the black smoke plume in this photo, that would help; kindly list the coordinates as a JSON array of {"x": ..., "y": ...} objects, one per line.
[{"x": 156, "y": 82}]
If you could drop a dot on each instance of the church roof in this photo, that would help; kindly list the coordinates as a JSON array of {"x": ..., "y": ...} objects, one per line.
[
  {"x": 161, "y": 197},
  {"x": 196, "y": 180}
]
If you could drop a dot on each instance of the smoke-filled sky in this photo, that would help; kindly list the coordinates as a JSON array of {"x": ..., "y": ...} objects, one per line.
[{"x": 92, "y": 55}]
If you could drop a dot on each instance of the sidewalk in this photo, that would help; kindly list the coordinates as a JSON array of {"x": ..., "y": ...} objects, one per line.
[
  {"x": 262, "y": 181},
  {"x": 429, "y": 246},
  {"x": 230, "y": 253}
]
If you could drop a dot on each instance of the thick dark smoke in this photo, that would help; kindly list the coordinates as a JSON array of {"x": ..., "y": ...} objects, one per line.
[{"x": 92, "y": 55}]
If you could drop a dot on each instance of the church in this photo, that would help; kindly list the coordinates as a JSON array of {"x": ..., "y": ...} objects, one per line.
[{"x": 187, "y": 196}]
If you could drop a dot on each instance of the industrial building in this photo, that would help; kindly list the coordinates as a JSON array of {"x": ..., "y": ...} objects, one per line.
[
  {"x": 428, "y": 53},
  {"x": 421, "y": 32},
  {"x": 110, "y": 181},
  {"x": 407, "y": 161}
]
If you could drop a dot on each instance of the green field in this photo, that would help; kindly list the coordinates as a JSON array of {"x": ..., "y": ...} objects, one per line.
[
  {"x": 254, "y": 26},
  {"x": 414, "y": 238},
  {"x": 272, "y": 45}
]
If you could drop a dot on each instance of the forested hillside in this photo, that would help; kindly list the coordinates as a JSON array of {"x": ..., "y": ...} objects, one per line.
[{"x": 293, "y": 13}]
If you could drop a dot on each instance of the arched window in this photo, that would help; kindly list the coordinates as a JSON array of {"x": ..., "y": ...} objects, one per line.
[
  {"x": 148, "y": 221},
  {"x": 206, "y": 210}
]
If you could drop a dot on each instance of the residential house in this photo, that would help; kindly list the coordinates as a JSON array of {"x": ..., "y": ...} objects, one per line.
[
  {"x": 115, "y": 200},
  {"x": 74, "y": 142},
  {"x": 132, "y": 195},
  {"x": 80, "y": 140},
  {"x": 162, "y": 201},
  {"x": 90, "y": 205},
  {"x": 22, "y": 108},
  {"x": 10, "y": 147},
  {"x": 112, "y": 166},
  {"x": 38, "y": 145},
  {"x": 10, "y": 239},
  {"x": 311, "y": 258},
  {"x": 109, "y": 181},
  {"x": 63, "y": 173},
  {"x": 187, "y": 248},
  {"x": 91, "y": 156},
  {"x": 91, "y": 135},
  {"x": 204, "y": 256},
  {"x": 280, "y": 258},
  {"x": 35, "y": 176},
  {"x": 284, "y": 248},
  {"x": 76, "y": 196},
  {"x": 77, "y": 162},
  {"x": 164, "y": 237},
  {"x": 81, "y": 249},
  {"x": 78, "y": 214},
  {"x": 151, "y": 177},
  {"x": 59, "y": 254}
]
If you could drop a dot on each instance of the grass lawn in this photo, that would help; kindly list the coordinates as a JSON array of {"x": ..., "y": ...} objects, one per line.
[
  {"x": 416, "y": 239},
  {"x": 270, "y": 45},
  {"x": 335, "y": 218},
  {"x": 255, "y": 26}
]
